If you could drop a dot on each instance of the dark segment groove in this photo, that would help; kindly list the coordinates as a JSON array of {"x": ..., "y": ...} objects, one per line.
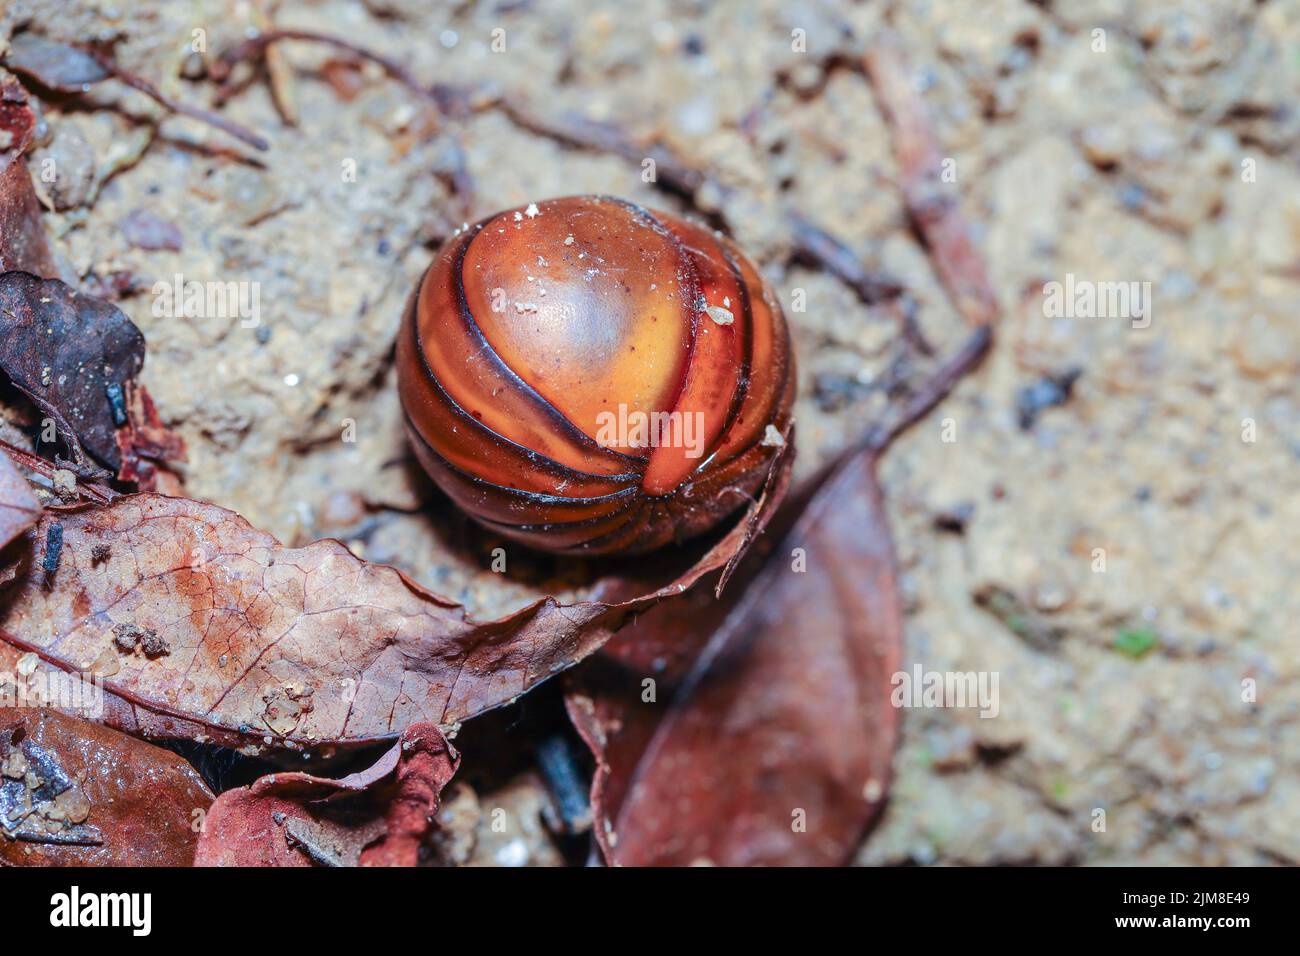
[
  {"x": 471, "y": 325},
  {"x": 549, "y": 465}
]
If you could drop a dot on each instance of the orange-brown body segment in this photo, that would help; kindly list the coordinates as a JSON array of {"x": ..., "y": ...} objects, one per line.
[{"x": 588, "y": 376}]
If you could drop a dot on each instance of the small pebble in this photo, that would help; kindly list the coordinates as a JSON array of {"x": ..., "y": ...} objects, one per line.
[{"x": 65, "y": 484}]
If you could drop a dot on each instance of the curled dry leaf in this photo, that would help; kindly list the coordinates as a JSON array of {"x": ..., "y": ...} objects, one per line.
[
  {"x": 70, "y": 354},
  {"x": 77, "y": 357},
  {"x": 268, "y": 646},
  {"x": 771, "y": 732},
  {"x": 73, "y": 793},
  {"x": 19, "y": 508},
  {"x": 380, "y": 816},
  {"x": 74, "y": 355},
  {"x": 147, "y": 446}
]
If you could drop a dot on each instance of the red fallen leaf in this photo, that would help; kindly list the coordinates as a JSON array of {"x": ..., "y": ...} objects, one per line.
[
  {"x": 377, "y": 817},
  {"x": 22, "y": 234},
  {"x": 147, "y": 445},
  {"x": 17, "y": 121},
  {"x": 773, "y": 732},
  {"x": 19, "y": 508},
  {"x": 258, "y": 645},
  {"x": 73, "y": 793}
]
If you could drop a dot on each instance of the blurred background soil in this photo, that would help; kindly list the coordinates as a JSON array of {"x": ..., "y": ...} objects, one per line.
[{"x": 1120, "y": 690}]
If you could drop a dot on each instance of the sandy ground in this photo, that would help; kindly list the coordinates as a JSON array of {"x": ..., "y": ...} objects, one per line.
[{"x": 1168, "y": 157}]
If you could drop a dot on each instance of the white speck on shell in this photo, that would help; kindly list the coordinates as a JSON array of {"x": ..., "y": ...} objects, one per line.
[{"x": 720, "y": 315}]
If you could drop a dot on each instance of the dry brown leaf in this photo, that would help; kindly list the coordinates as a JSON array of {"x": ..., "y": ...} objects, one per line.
[
  {"x": 69, "y": 353},
  {"x": 206, "y": 628},
  {"x": 771, "y": 732},
  {"x": 73, "y": 793}
]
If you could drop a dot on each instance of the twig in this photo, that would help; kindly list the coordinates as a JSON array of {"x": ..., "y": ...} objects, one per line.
[
  {"x": 448, "y": 100},
  {"x": 903, "y": 309},
  {"x": 33, "y": 462},
  {"x": 279, "y": 76},
  {"x": 933, "y": 391},
  {"x": 943, "y": 228},
  {"x": 816, "y": 244},
  {"x": 241, "y": 133},
  {"x": 671, "y": 172},
  {"x": 678, "y": 176},
  {"x": 255, "y": 48},
  {"x": 819, "y": 247},
  {"x": 935, "y": 212},
  {"x": 560, "y": 770}
]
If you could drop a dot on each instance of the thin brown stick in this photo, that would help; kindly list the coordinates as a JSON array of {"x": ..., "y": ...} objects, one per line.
[
  {"x": 675, "y": 174},
  {"x": 671, "y": 172},
  {"x": 935, "y": 211},
  {"x": 833, "y": 255},
  {"x": 255, "y": 48},
  {"x": 961, "y": 363},
  {"x": 90, "y": 490},
  {"x": 903, "y": 308},
  {"x": 139, "y": 83},
  {"x": 451, "y": 101},
  {"x": 279, "y": 76}
]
